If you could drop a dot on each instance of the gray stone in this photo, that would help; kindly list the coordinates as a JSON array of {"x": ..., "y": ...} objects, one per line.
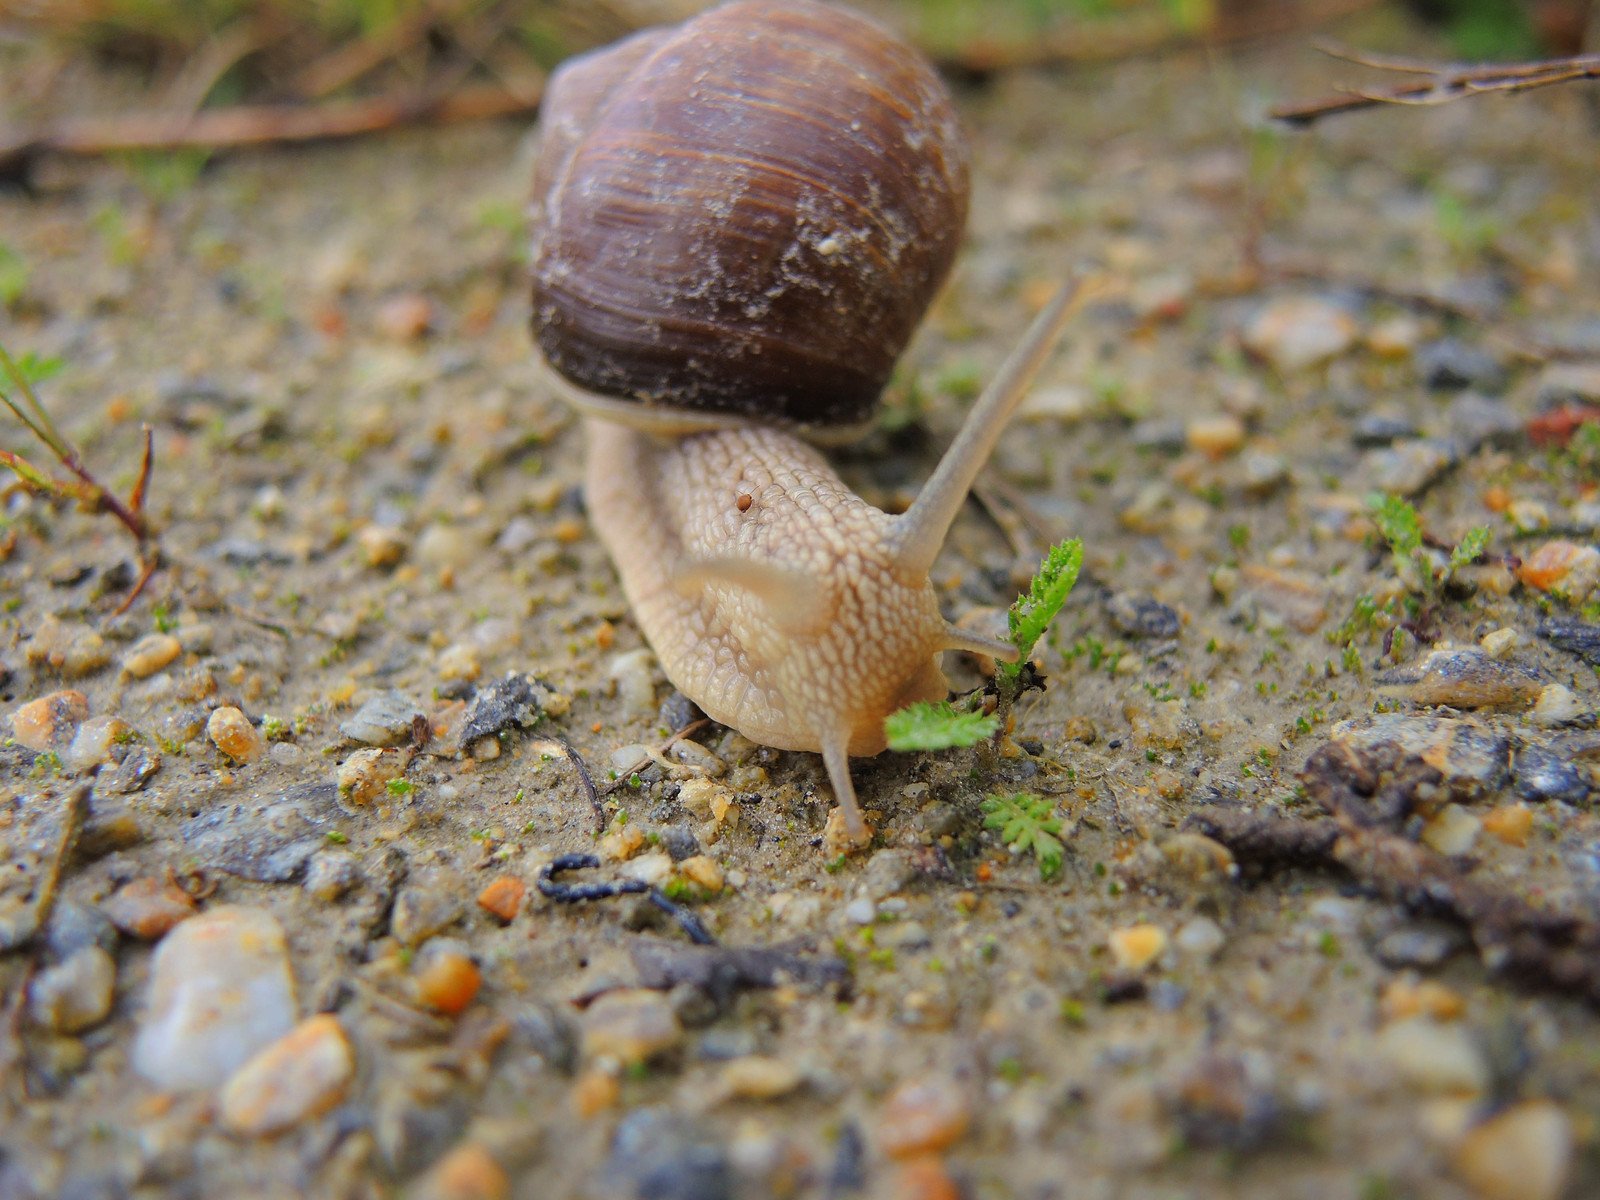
[
  {"x": 75, "y": 994},
  {"x": 1450, "y": 364},
  {"x": 384, "y": 720}
]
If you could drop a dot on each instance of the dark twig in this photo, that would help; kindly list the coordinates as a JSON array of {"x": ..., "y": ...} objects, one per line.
[
  {"x": 1371, "y": 801},
  {"x": 584, "y": 778},
  {"x": 1439, "y": 83},
  {"x": 573, "y": 893}
]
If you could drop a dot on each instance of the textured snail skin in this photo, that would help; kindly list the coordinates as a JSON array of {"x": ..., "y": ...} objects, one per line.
[{"x": 775, "y": 598}]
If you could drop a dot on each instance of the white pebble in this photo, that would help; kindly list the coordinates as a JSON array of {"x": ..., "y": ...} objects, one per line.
[
  {"x": 1434, "y": 1058},
  {"x": 219, "y": 991}
]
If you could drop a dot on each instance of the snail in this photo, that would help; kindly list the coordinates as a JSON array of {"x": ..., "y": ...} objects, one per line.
[{"x": 738, "y": 224}]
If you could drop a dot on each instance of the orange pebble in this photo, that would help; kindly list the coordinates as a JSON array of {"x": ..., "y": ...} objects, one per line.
[
  {"x": 923, "y": 1116},
  {"x": 447, "y": 980},
  {"x": 1496, "y": 499},
  {"x": 1510, "y": 823},
  {"x": 502, "y": 897},
  {"x": 468, "y": 1172},
  {"x": 595, "y": 1092}
]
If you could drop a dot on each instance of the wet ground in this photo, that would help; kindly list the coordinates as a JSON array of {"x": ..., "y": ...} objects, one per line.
[{"x": 1372, "y": 976}]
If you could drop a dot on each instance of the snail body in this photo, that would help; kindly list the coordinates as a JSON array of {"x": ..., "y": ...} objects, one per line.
[{"x": 779, "y": 601}]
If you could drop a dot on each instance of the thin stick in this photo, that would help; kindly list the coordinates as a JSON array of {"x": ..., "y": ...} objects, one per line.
[
  {"x": 1440, "y": 84},
  {"x": 622, "y": 776},
  {"x": 259, "y": 125}
]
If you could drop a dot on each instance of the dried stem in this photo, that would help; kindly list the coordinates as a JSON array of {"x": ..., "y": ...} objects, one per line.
[
  {"x": 1438, "y": 83},
  {"x": 258, "y": 125}
]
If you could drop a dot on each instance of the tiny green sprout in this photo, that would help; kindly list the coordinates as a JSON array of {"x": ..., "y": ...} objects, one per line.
[
  {"x": 883, "y": 957},
  {"x": 46, "y": 762},
  {"x": 1074, "y": 1013},
  {"x": 273, "y": 728},
  {"x": 401, "y": 787},
  {"x": 1010, "y": 1069},
  {"x": 1033, "y": 611},
  {"x": 1028, "y": 823},
  {"x": 937, "y": 726},
  {"x": 1238, "y": 536},
  {"x": 1198, "y": 689},
  {"x": 1328, "y": 944},
  {"x": 334, "y": 837},
  {"x": 164, "y": 620},
  {"x": 835, "y": 865}
]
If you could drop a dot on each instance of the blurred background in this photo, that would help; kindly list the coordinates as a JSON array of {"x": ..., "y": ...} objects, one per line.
[{"x": 192, "y": 54}]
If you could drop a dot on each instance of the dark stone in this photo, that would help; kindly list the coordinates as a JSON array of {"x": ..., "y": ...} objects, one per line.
[
  {"x": 1375, "y": 429},
  {"x": 1575, "y": 637},
  {"x": 677, "y": 710},
  {"x": 1450, "y": 364},
  {"x": 659, "y": 1155},
  {"x": 1542, "y": 774},
  {"x": 517, "y": 701},
  {"x": 679, "y": 841},
  {"x": 1142, "y": 616}
]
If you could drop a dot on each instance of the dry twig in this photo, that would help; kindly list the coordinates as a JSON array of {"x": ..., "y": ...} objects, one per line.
[
  {"x": 256, "y": 125},
  {"x": 1437, "y": 83}
]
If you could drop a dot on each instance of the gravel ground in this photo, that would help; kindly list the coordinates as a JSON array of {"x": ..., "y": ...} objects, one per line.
[{"x": 1327, "y": 923}]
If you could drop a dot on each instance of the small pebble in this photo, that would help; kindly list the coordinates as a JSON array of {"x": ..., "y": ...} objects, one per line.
[
  {"x": 1475, "y": 421},
  {"x": 467, "y": 1172},
  {"x": 302, "y": 1074},
  {"x": 1473, "y": 759},
  {"x": 502, "y": 897},
  {"x": 382, "y": 545},
  {"x": 923, "y": 1116},
  {"x": 1564, "y": 569},
  {"x": 94, "y": 742},
  {"x": 365, "y": 776},
  {"x": 149, "y": 654},
  {"x": 1522, "y": 1153},
  {"x": 1135, "y": 947},
  {"x": 447, "y": 980},
  {"x": 147, "y": 907},
  {"x": 1214, "y": 436},
  {"x": 595, "y": 1092},
  {"x": 1395, "y": 337},
  {"x": 1425, "y": 998},
  {"x": 1545, "y": 774},
  {"x": 758, "y": 1077},
  {"x": 230, "y": 730},
  {"x": 704, "y": 872},
  {"x": 1450, "y": 364},
  {"x": 75, "y": 994},
  {"x": 330, "y": 873},
  {"x": 1143, "y": 616},
  {"x": 1297, "y": 332},
  {"x": 1557, "y": 706},
  {"x": 1510, "y": 823},
  {"x": 1452, "y": 830},
  {"x": 925, "y": 1179},
  {"x": 631, "y": 1026},
  {"x": 1408, "y": 468},
  {"x": 622, "y": 844},
  {"x": 50, "y": 721},
  {"x": 1435, "y": 1058},
  {"x": 1381, "y": 429},
  {"x": 1499, "y": 643},
  {"x": 74, "y": 925},
  {"x": 1200, "y": 937},
  {"x": 219, "y": 991},
  {"x": 1461, "y": 677},
  {"x": 69, "y": 648},
  {"x": 424, "y": 908},
  {"x": 384, "y": 719},
  {"x": 406, "y": 317}
]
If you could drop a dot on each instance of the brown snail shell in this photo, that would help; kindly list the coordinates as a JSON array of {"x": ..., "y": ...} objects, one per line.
[{"x": 745, "y": 215}]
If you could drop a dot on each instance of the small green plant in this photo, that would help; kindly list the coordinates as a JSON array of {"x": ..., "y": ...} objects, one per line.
[
  {"x": 937, "y": 726},
  {"x": 1028, "y": 823},
  {"x": 1400, "y": 526},
  {"x": 1033, "y": 611}
]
